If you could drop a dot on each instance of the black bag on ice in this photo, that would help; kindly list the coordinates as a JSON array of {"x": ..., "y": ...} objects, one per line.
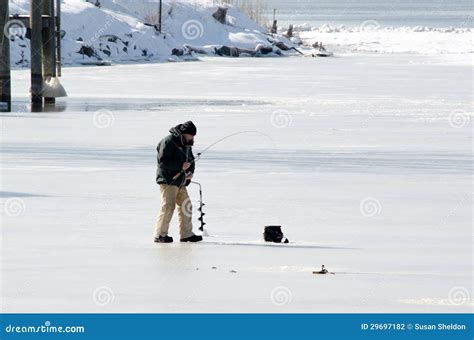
[{"x": 273, "y": 233}]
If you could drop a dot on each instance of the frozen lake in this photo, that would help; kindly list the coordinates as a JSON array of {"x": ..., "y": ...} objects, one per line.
[{"x": 365, "y": 160}]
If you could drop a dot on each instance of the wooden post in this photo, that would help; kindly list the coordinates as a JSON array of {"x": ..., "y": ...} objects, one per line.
[
  {"x": 58, "y": 37},
  {"x": 5, "y": 74},
  {"x": 52, "y": 36},
  {"x": 36, "y": 54},
  {"x": 289, "y": 33},
  {"x": 274, "y": 28},
  {"x": 159, "y": 19},
  {"x": 49, "y": 48}
]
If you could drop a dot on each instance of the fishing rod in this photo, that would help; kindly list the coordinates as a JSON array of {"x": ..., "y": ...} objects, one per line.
[{"x": 217, "y": 142}]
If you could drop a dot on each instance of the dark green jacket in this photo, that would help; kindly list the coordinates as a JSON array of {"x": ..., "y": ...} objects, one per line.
[{"x": 172, "y": 154}]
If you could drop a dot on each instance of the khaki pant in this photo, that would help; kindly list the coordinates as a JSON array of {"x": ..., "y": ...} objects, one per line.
[{"x": 171, "y": 197}]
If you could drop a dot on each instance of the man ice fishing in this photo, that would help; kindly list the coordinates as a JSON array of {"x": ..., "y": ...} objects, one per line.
[{"x": 175, "y": 171}]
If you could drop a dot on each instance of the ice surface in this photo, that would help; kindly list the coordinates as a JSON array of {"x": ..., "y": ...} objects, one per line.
[{"x": 366, "y": 158}]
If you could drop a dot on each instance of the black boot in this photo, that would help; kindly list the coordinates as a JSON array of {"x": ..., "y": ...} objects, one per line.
[
  {"x": 163, "y": 239},
  {"x": 194, "y": 238}
]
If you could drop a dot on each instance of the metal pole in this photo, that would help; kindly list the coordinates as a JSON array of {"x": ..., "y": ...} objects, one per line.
[
  {"x": 49, "y": 53},
  {"x": 5, "y": 74},
  {"x": 159, "y": 22},
  {"x": 58, "y": 36},
  {"x": 36, "y": 53},
  {"x": 53, "y": 37}
]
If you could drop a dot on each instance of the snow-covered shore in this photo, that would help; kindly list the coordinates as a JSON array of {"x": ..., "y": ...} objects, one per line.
[{"x": 122, "y": 31}]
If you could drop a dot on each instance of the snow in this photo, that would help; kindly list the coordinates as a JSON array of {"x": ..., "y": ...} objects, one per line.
[
  {"x": 119, "y": 34},
  {"x": 365, "y": 160},
  {"x": 369, "y": 37}
]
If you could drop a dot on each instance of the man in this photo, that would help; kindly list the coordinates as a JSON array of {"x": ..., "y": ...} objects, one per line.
[{"x": 175, "y": 171}]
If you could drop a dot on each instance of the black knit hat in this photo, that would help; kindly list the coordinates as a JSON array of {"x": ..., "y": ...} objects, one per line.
[{"x": 188, "y": 128}]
